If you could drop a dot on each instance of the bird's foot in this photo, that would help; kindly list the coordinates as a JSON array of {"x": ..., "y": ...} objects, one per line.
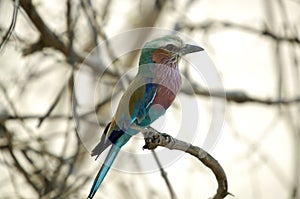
[
  {"x": 154, "y": 139},
  {"x": 151, "y": 140}
]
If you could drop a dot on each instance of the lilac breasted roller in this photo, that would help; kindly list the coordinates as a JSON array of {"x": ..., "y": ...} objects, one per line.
[{"x": 147, "y": 98}]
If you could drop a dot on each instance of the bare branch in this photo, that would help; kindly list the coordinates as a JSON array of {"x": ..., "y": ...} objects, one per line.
[
  {"x": 17, "y": 164},
  {"x": 239, "y": 96},
  {"x": 12, "y": 25},
  {"x": 154, "y": 139},
  {"x": 50, "y": 39},
  {"x": 164, "y": 176},
  {"x": 47, "y": 38},
  {"x": 210, "y": 24},
  {"x": 53, "y": 105}
]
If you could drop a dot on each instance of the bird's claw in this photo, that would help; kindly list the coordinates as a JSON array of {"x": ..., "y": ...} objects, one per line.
[{"x": 152, "y": 140}]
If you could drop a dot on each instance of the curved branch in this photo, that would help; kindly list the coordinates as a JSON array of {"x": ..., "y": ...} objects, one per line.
[{"x": 154, "y": 139}]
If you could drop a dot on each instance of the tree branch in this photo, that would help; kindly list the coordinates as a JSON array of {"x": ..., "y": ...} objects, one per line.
[
  {"x": 12, "y": 25},
  {"x": 154, "y": 139},
  {"x": 239, "y": 96},
  {"x": 164, "y": 176},
  {"x": 210, "y": 24},
  {"x": 53, "y": 105},
  {"x": 49, "y": 39}
]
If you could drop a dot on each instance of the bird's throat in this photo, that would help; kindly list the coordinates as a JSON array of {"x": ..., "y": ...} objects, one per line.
[{"x": 164, "y": 58}]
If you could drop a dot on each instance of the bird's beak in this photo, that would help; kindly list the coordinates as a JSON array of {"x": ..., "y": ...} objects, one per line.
[{"x": 190, "y": 49}]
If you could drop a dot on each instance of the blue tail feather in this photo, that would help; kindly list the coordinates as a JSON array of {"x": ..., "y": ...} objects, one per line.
[{"x": 112, "y": 154}]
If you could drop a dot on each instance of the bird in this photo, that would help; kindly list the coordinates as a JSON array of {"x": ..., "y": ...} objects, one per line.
[{"x": 149, "y": 95}]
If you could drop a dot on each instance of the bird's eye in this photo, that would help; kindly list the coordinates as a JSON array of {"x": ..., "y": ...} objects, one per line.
[{"x": 170, "y": 47}]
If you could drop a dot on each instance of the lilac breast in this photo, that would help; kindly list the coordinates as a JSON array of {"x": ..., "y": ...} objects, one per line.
[{"x": 169, "y": 81}]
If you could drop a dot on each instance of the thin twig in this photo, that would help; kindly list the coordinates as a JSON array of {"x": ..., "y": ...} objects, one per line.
[
  {"x": 164, "y": 175},
  {"x": 210, "y": 24},
  {"x": 239, "y": 96},
  {"x": 18, "y": 165},
  {"x": 72, "y": 61},
  {"x": 34, "y": 117},
  {"x": 12, "y": 25},
  {"x": 53, "y": 105}
]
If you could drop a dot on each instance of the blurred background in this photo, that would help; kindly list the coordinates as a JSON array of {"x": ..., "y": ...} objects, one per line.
[{"x": 255, "y": 46}]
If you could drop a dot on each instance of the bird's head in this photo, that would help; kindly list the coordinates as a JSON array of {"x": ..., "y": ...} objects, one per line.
[{"x": 166, "y": 51}]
